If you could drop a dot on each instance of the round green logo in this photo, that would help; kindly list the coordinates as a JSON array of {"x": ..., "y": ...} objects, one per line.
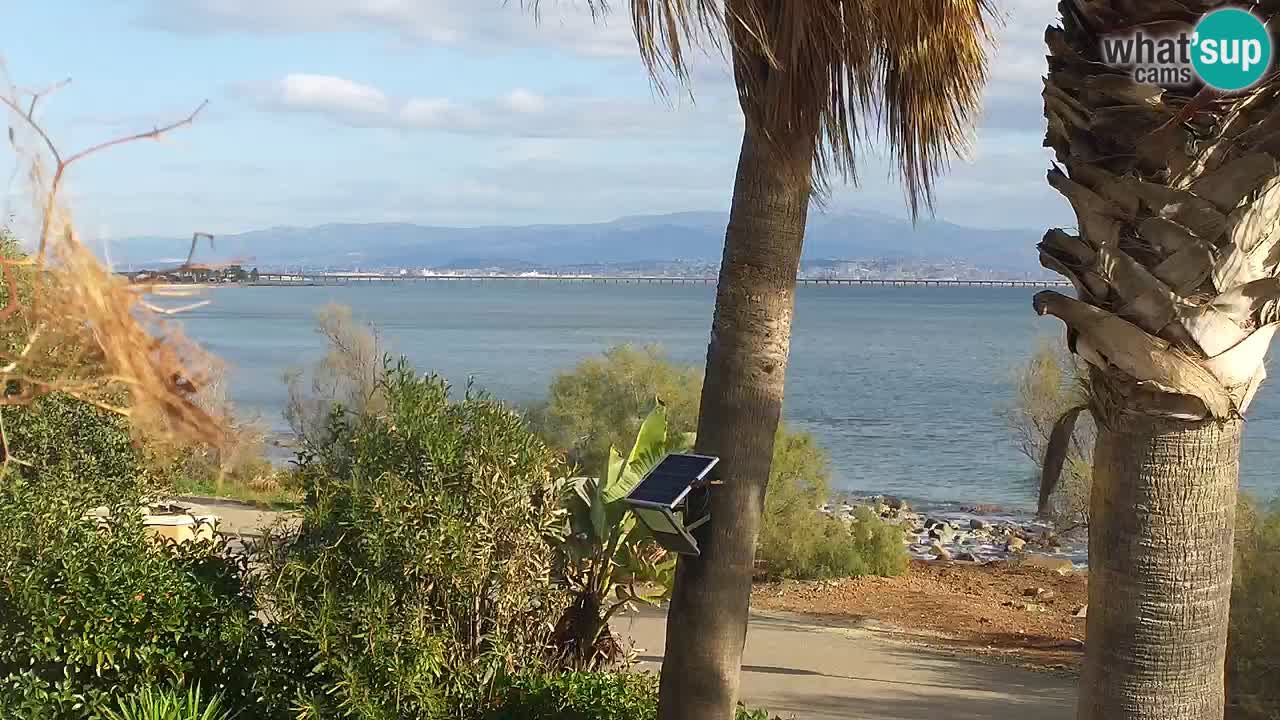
[{"x": 1231, "y": 49}]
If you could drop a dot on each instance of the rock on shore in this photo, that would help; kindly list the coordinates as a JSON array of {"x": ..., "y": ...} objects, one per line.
[{"x": 969, "y": 534}]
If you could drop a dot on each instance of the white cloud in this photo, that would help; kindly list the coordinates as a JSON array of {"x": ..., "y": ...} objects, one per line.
[
  {"x": 518, "y": 113},
  {"x": 545, "y": 128},
  {"x": 1013, "y": 91},
  {"x": 568, "y": 25},
  {"x": 423, "y": 112},
  {"x": 490, "y": 24},
  {"x": 1012, "y": 98},
  {"x": 523, "y": 101},
  {"x": 325, "y": 93}
]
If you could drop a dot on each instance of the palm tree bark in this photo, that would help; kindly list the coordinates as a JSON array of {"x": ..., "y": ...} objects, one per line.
[
  {"x": 1176, "y": 266},
  {"x": 1161, "y": 528},
  {"x": 741, "y": 408}
]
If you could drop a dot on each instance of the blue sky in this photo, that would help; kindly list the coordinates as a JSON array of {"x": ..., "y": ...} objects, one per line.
[{"x": 451, "y": 112}]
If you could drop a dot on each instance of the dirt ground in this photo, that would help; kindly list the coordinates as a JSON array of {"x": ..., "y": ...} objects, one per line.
[{"x": 1003, "y": 610}]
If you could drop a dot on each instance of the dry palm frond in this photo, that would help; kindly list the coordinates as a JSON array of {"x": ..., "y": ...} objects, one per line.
[
  {"x": 72, "y": 326},
  {"x": 1177, "y": 192},
  {"x": 810, "y": 71}
]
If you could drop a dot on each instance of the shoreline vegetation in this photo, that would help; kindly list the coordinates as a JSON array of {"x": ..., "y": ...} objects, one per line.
[
  {"x": 952, "y": 548},
  {"x": 327, "y": 280},
  {"x": 234, "y": 275}
]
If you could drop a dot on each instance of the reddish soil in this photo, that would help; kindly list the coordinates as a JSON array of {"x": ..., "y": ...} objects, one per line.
[{"x": 1002, "y": 610}]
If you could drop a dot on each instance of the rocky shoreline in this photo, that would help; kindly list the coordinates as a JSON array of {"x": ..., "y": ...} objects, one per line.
[{"x": 971, "y": 533}]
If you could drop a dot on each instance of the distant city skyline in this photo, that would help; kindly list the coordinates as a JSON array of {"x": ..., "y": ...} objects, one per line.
[
  {"x": 869, "y": 269},
  {"x": 691, "y": 237},
  {"x": 443, "y": 112}
]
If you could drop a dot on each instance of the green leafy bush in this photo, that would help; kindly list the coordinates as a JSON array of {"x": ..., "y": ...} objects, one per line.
[
  {"x": 807, "y": 546},
  {"x": 799, "y": 541},
  {"x": 606, "y": 549},
  {"x": 421, "y": 572},
  {"x": 602, "y": 402},
  {"x": 1051, "y": 383},
  {"x": 878, "y": 544},
  {"x": 89, "y": 614},
  {"x": 59, "y": 440},
  {"x": 169, "y": 704},
  {"x": 578, "y": 696},
  {"x": 1253, "y": 662},
  {"x": 586, "y": 696}
]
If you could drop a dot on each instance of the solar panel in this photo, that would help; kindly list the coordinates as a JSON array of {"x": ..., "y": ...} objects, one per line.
[{"x": 668, "y": 482}]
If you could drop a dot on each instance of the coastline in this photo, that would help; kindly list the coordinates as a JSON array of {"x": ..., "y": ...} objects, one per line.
[
  {"x": 972, "y": 533},
  {"x": 341, "y": 279},
  {"x": 166, "y": 288},
  {"x": 178, "y": 287}
]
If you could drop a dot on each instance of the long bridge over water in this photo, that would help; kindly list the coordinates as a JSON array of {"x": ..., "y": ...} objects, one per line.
[{"x": 339, "y": 278}]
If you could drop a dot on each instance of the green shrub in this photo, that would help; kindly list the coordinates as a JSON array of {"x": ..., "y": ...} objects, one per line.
[
  {"x": 1052, "y": 382},
  {"x": 59, "y": 440},
  {"x": 792, "y": 524},
  {"x": 878, "y": 544},
  {"x": 602, "y": 402},
  {"x": 421, "y": 569},
  {"x": 808, "y": 546},
  {"x": 606, "y": 552},
  {"x": 799, "y": 541},
  {"x": 1253, "y": 662},
  {"x": 586, "y": 696},
  {"x": 168, "y": 704},
  {"x": 88, "y": 614},
  {"x": 578, "y": 696}
]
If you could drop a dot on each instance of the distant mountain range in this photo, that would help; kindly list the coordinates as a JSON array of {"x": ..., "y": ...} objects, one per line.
[{"x": 688, "y": 236}]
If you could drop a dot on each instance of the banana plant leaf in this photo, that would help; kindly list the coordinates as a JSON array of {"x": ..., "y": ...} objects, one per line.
[
  {"x": 596, "y": 506},
  {"x": 649, "y": 449}
]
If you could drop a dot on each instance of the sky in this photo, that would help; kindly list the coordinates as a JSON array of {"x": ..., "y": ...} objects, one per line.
[{"x": 443, "y": 112}]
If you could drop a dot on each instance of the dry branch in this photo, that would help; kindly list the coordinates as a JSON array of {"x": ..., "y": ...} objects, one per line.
[{"x": 71, "y": 326}]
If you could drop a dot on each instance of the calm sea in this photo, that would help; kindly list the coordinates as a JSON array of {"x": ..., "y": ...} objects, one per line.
[{"x": 901, "y": 385}]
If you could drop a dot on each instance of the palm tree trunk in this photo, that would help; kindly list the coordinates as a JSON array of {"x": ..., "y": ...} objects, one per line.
[
  {"x": 1176, "y": 266},
  {"x": 741, "y": 407},
  {"x": 1160, "y": 549}
]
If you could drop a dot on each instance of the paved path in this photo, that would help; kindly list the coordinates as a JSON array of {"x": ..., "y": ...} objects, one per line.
[
  {"x": 235, "y": 518},
  {"x": 798, "y": 669}
]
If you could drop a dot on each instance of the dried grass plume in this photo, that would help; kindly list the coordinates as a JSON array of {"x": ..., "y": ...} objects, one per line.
[{"x": 72, "y": 326}]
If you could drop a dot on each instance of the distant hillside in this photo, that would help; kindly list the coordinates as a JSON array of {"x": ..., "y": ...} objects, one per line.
[{"x": 696, "y": 236}]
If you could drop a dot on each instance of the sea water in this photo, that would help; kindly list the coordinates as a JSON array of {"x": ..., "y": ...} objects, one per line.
[{"x": 902, "y": 386}]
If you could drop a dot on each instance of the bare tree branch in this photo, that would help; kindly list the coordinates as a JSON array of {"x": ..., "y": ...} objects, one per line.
[
  {"x": 152, "y": 134},
  {"x": 72, "y": 326}
]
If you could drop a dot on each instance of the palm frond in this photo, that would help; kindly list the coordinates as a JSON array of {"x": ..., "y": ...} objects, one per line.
[
  {"x": 810, "y": 72},
  {"x": 1055, "y": 456},
  {"x": 934, "y": 70}
]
